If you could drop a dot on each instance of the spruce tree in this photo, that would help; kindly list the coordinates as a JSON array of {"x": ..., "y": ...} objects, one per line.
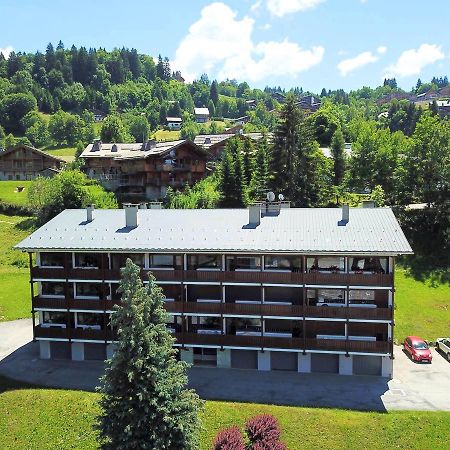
[
  {"x": 214, "y": 93},
  {"x": 145, "y": 403},
  {"x": 227, "y": 179},
  {"x": 338, "y": 152}
]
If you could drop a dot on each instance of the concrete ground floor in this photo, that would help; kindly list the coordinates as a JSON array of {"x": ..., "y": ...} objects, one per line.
[
  {"x": 267, "y": 360},
  {"x": 414, "y": 386}
]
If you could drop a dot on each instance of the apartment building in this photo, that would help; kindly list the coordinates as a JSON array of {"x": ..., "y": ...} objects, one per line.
[{"x": 267, "y": 288}]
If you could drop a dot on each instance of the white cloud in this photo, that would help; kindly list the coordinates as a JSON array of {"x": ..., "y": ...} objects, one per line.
[
  {"x": 265, "y": 27},
  {"x": 220, "y": 44},
  {"x": 6, "y": 51},
  {"x": 382, "y": 50},
  {"x": 411, "y": 62},
  {"x": 255, "y": 6},
  {"x": 280, "y": 8},
  {"x": 349, "y": 65}
]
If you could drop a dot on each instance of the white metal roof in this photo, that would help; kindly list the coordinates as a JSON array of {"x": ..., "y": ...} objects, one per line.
[
  {"x": 369, "y": 230},
  {"x": 201, "y": 111}
]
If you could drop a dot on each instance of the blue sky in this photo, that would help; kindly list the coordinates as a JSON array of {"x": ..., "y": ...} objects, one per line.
[{"x": 308, "y": 43}]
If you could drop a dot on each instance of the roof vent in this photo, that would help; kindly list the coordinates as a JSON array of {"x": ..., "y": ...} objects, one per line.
[
  {"x": 345, "y": 215},
  {"x": 114, "y": 148},
  {"x": 207, "y": 140},
  {"x": 130, "y": 215},
  {"x": 90, "y": 213},
  {"x": 155, "y": 205},
  {"x": 142, "y": 205},
  {"x": 254, "y": 215},
  {"x": 151, "y": 143},
  {"x": 368, "y": 204},
  {"x": 96, "y": 146}
]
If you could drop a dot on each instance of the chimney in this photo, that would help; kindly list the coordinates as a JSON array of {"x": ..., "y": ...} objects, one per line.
[
  {"x": 368, "y": 204},
  {"x": 345, "y": 213},
  {"x": 254, "y": 215},
  {"x": 97, "y": 145},
  {"x": 142, "y": 205},
  {"x": 151, "y": 143},
  {"x": 89, "y": 213},
  {"x": 130, "y": 215}
]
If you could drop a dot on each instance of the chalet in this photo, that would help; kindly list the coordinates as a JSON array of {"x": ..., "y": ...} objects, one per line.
[
  {"x": 201, "y": 115},
  {"x": 241, "y": 120},
  {"x": 279, "y": 97},
  {"x": 251, "y": 104},
  {"x": 443, "y": 107},
  {"x": 266, "y": 288},
  {"x": 24, "y": 162},
  {"x": 215, "y": 143},
  {"x": 309, "y": 103},
  {"x": 174, "y": 123},
  {"x": 145, "y": 169},
  {"x": 426, "y": 96}
]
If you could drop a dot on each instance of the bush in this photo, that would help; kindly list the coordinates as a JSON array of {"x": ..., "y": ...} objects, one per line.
[
  {"x": 276, "y": 445},
  {"x": 229, "y": 439},
  {"x": 11, "y": 209},
  {"x": 263, "y": 429}
]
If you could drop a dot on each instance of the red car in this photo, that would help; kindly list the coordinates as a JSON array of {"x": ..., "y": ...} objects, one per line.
[{"x": 417, "y": 349}]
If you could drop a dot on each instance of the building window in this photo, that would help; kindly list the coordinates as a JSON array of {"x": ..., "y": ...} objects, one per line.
[
  {"x": 54, "y": 318},
  {"x": 88, "y": 290},
  {"x": 89, "y": 320},
  {"x": 51, "y": 259},
  {"x": 206, "y": 325},
  {"x": 166, "y": 261},
  {"x": 243, "y": 327},
  {"x": 325, "y": 264},
  {"x": 87, "y": 260},
  {"x": 119, "y": 260},
  {"x": 50, "y": 288},
  {"x": 369, "y": 264},
  {"x": 243, "y": 263},
  {"x": 361, "y": 297},
  {"x": 326, "y": 297},
  {"x": 212, "y": 262},
  {"x": 283, "y": 262}
]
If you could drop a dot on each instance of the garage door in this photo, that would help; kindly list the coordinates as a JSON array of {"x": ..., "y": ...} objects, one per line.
[
  {"x": 244, "y": 359},
  {"x": 283, "y": 361},
  {"x": 324, "y": 363},
  {"x": 96, "y": 352},
  {"x": 60, "y": 350},
  {"x": 366, "y": 365}
]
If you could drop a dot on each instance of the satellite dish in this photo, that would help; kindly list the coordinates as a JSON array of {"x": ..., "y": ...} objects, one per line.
[
  {"x": 280, "y": 197},
  {"x": 270, "y": 196}
]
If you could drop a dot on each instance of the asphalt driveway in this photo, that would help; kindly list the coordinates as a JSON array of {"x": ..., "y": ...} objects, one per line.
[{"x": 414, "y": 387}]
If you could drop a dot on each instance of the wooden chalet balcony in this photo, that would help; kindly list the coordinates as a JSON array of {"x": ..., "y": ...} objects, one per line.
[
  {"x": 261, "y": 342},
  {"x": 73, "y": 303},
  {"x": 73, "y": 333},
  {"x": 312, "y": 278}
]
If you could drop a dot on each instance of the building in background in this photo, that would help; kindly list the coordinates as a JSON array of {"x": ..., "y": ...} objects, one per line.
[
  {"x": 145, "y": 170},
  {"x": 268, "y": 288},
  {"x": 24, "y": 162},
  {"x": 174, "y": 123},
  {"x": 201, "y": 115}
]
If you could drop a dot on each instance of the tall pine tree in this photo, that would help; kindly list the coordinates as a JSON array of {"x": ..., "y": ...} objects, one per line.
[
  {"x": 144, "y": 403},
  {"x": 338, "y": 152}
]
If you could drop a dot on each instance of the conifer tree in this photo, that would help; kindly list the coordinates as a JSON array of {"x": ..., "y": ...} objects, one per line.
[
  {"x": 214, "y": 92},
  {"x": 338, "y": 152},
  {"x": 227, "y": 183},
  {"x": 144, "y": 403}
]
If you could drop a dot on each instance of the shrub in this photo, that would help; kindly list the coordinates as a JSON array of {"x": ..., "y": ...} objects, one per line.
[
  {"x": 229, "y": 439},
  {"x": 263, "y": 429},
  {"x": 276, "y": 445}
]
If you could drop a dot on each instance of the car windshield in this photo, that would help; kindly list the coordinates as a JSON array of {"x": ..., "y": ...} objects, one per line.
[{"x": 420, "y": 346}]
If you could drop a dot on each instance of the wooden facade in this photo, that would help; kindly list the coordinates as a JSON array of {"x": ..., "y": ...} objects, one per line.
[{"x": 23, "y": 162}]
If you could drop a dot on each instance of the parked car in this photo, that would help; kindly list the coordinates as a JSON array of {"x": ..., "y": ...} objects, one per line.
[
  {"x": 417, "y": 349},
  {"x": 443, "y": 345}
]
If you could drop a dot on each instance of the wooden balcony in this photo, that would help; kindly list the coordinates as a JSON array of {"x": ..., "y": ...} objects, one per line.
[
  {"x": 73, "y": 303},
  {"x": 312, "y": 278},
  {"x": 50, "y": 303},
  {"x": 261, "y": 342},
  {"x": 73, "y": 333}
]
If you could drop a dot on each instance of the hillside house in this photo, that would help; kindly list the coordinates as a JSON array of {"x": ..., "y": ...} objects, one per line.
[
  {"x": 146, "y": 169},
  {"x": 24, "y": 162},
  {"x": 201, "y": 115},
  {"x": 174, "y": 123}
]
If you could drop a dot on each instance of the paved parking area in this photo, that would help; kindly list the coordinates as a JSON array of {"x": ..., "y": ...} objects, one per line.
[{"x": 414, "y": 387}]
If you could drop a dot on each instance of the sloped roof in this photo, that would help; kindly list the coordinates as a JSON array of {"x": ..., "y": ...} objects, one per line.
[
  {"x": 299, "y": 230},
  {"x": 201, "y": 111},
  {"x": 209, "y": 140},
  {"x": 122, "y": 151},
  {"x": 35, "y": 150}
]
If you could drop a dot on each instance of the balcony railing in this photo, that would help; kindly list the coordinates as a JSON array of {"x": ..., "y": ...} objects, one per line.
[
  {"x": 73, "y": 333},
  {"x": 229, "y": 309},
  {"x": 261, "y": 342},
  {"x": 312, "y": 278}
]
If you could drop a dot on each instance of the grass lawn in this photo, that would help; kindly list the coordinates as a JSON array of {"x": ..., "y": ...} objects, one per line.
[
  {"x": 421, "y": 309},
  {"x": 9, "y": 193},
  {"x": 65, "y": 153},
  {"x": 166, "y": 135},
  {"x": 14, "y": 272},
  {"x": 50, "y": 418}
]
